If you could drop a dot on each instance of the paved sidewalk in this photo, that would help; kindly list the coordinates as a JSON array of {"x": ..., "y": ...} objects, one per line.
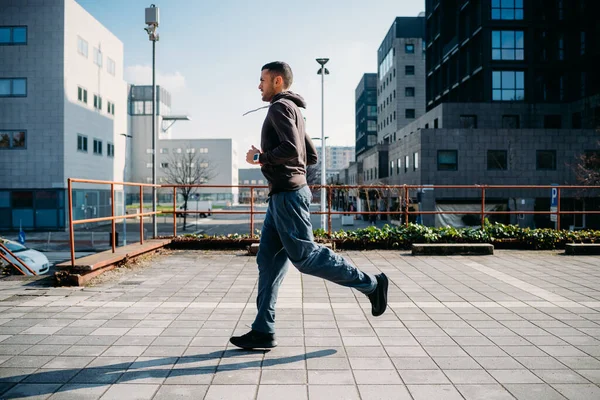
[{"x": 522, "y": 325}]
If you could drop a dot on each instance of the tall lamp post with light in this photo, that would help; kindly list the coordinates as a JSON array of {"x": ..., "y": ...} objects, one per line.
[
  {"x": 152, "y": 25},
  {"x": 323, "y": 71}
]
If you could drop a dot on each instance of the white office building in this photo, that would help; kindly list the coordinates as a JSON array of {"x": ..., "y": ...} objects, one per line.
[
  {"x": 217, "y": 158},
  {"x": 336, "y": 159},
  {"x": 63, "y": 106}
]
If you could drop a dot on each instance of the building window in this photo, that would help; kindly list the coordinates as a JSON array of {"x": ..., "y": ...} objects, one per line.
[
  {"x": 13, "y": 35},
  {"x": 507, "y": 9},
  {"x": 164, "y": 165},
  {"x": 149, "y": 165},
  {"x": 409, "y": 48},
  {"x": 561, "y": 47},
  {"x": 415, "y": 161},
  {"x": 97, "y": 102},
  {"x": 13, "y": 140},
  {"x": 190, "y": 151},
  {"x": 82, "y": 47},
  {"x": 552, "y": 121},
  {"x": 409, "y": 113},
  {"x": 447, "y": 160},
  {"x": 409, "y": 70},
  {"x": 13, "y": 87},
  {"x": 508, "y": 85},
  {"x": 510, "y": 122},
  {"x": 111, "y": 108},
  {"x": 409, "y": 92},
  {"x": 406, "y": 163},
  {"x": 110, "y": 66},
  {"x": 82, "y": 94},
  {"x": 576, "y": 120},
  {"x": 163, "y": 151},
  {"x": 98, "y": 147},
  {"x": 110, "y": 150},
  {"x": 508, "y": 45},
  {"x": 386, "y": 64},
  {"x": 497, "y": 160},
  {"x": 468, "y": 121},
  {"x": 398, "y": 166},
  {"x": 82, "y": 143},
  {"x": 391, "y": 168},
  {"x": 546, "y": 160},
  {"x": 97, "y": 56}
]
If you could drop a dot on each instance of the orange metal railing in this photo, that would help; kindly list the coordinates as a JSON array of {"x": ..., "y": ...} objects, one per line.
[
  {"x": 113, "y": 218},
  {"x": 403, "y": 191}
]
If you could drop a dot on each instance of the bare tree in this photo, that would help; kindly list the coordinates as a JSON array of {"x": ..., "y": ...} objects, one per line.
[
  {"x": 187, "y": 168},
  {"x": 587, "y": 169}
]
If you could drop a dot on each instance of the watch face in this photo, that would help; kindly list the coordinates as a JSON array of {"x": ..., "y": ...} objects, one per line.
[{"x": 256, "y": 157}]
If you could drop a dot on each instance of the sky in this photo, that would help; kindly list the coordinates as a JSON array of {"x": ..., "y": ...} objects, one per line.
[{"x": 210, "y": 54}]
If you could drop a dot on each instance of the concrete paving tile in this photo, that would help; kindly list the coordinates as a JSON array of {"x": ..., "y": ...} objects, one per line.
[
  {"x": 79, "y": 392},
  {"x": 97, "y": 376},
  {"x": 130, "y": 391},
  {"x": 242, "y": 377},
  {"x": 468, "y": 376},
  {"x": 330, "y": 377},
  {"x": 231, "y": 392},
  {"x": 288, "y": 392},
  {"x": 422, "y": 377},
  {"x": 51, "y": 376},
  {"x": 414, "y": 363},
  {"x": 534, "y": 392},
  {"x": 559, "y": 376},
  {"x": 438, "y": 392},
  {"x": 332, "y": 392},
  {"x": 384, "y": 392},
  {"x": 514, "y": 376},
  {"x": 32, "y": 391},
  {"x": 487, "y": 391},
  {"x": 374, "y": 377},
  {"x": 578, "y": 392},
  {"x": 593, "y": 375},
  {"x": 282, "y": 377}
]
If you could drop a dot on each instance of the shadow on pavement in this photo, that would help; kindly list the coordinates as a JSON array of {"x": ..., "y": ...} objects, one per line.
[{"x": 131, "y": 371}]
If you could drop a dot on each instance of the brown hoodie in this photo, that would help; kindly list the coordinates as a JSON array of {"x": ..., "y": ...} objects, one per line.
[{"x": 286, "y": 149}]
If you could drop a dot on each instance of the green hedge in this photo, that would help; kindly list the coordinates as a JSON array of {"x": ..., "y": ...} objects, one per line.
[
  {"x": 501, "y": 236},
  {"x": 402, "y": 237}
]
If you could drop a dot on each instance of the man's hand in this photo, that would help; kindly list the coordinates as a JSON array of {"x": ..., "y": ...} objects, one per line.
[{"x": 250, "y": 155}]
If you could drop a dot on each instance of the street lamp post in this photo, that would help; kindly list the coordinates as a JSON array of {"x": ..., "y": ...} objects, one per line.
[
  {"x": 152, "y": 25},
  {"x": 323, "y": 71},
  {"x": 124, "y": 191}
]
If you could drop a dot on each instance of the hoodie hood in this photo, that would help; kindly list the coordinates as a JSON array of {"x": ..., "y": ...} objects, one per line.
[{"x": 296, "y": 98}]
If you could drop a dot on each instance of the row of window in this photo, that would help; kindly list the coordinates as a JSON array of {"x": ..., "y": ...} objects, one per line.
[
  {"x": 497, "y": 160},
  {"x": 13, "y": 87},
  {"x": 82, "y": 48},
  {"x": 202, "y": 150},
  {"x": 398, "y": 166},
  {"x": 409, "y": 113},
  {"x": 82, "y": 96},
  {"x": 13, "y": 140},
  {"x": 165, "y": 165},
  {"x": 13, "y": 35},
  {"x": 82, "y": 145},
  {"x": 409, "y": 70},
  {"x": 388, "y": 61}
]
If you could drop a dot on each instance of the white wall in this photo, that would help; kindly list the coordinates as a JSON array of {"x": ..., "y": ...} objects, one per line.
[{"x": 81, "y": 118}]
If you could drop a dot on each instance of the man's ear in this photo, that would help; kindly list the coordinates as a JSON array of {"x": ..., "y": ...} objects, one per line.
[{"x": 278, "y": 80}]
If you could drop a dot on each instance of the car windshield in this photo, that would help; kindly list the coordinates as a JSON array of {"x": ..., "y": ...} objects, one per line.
[{"x": 15, "y": 247}]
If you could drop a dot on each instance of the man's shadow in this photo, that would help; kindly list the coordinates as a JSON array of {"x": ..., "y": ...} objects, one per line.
[{"x": 129, "y": 371}]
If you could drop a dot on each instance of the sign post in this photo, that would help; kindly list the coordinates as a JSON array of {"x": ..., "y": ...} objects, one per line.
[{"x": 554, "y": 204}]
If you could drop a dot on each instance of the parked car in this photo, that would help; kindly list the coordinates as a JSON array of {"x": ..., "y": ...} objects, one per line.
[
  {"x": 205, "y": 206},
  {"x": 35, "y": 260}
]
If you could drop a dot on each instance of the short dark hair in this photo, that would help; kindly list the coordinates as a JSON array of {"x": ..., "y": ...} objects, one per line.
[{"x": 282, "y": 69}]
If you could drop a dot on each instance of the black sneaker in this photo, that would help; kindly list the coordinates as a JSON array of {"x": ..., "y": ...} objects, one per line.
[
  {"x": 254, "y": 340},
  {"x": 379, "y": 296}
]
